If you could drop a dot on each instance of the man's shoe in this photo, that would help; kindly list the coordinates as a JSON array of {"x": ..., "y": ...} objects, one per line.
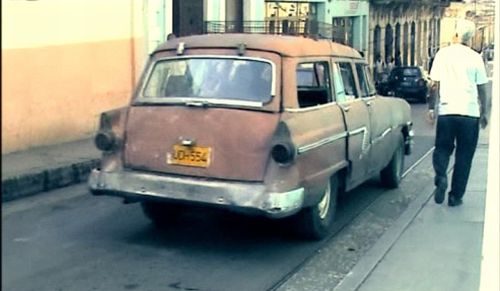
[
  {"x": 439, "y": 194},
  {"x": 452, "y": 201}
]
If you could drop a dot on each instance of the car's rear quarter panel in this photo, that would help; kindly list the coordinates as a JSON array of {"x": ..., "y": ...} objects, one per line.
[{"x": 318, "y": 155}]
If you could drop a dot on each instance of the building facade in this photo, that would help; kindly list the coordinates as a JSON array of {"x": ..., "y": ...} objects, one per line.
[
  {"x": 65, "y": 62},
  {"x": 406, "y": 31},
  {"x": 350, "y": 22},
  {"x": 342, "y": 21},
  {"x": 481, "y": 12}
]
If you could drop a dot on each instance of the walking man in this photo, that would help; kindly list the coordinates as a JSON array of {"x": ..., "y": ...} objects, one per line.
[
  {"x": 379, "y": 68},
  {"x": 390, "y": 64},
  {"x": 459, "y": 100}
]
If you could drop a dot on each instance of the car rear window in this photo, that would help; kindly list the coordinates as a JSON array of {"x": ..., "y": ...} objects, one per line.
[
  {"x": 210, "y": 78},
  {"x": 411, "y": 72}
]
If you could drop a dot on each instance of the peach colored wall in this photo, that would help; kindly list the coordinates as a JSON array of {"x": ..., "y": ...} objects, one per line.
[
  {"x": 55, "y": 94},
  {"x": 63, "y": 63}
]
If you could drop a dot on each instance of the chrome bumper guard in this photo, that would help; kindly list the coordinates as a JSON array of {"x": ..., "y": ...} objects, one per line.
[
  {"x": 409, "y": 142},
  {"x": 238, "y": 196}
]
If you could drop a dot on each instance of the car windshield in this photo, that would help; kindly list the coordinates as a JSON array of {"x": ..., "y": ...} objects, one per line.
[{"x": 210, "y": 79}]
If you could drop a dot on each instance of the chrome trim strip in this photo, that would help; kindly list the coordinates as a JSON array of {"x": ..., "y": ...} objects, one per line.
[
  {"x": 321, "y": 142},
  {"x": 311, "y": 108},
  {"x": 368, "y": 98},
  {"x": 379, "y": 138},
  {"x": 198, "y": 101},
  {"x": 386, "y": 132},
  {"x": 357, "y": 131},
  {"x": 365, "y": 145}
]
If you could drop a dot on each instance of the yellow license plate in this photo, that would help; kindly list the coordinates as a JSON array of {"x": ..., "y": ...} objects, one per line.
[{"x": 193, "y": 156}]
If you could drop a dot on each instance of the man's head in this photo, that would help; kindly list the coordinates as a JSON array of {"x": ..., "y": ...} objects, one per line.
[{"x": 464, "y": 31}]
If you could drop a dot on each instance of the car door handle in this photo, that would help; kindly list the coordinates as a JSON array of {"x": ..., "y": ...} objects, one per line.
[
  {"x": 368, "y": 103},
  {"x": 346, "y": 108}
]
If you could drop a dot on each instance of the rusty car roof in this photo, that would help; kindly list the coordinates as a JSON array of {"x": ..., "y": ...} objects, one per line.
[{"x": 292, "y": 46}]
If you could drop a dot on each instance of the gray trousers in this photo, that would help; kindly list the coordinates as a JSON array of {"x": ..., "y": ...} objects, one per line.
[{"x": 460, "y": 133}]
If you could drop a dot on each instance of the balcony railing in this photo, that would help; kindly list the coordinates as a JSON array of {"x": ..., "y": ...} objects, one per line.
[
  {"x": 306, "y": 28},
  {"x": 443, "y": 3}
]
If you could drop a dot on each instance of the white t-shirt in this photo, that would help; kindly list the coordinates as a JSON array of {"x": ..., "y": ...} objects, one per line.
[{"x": 459, "y": 70}]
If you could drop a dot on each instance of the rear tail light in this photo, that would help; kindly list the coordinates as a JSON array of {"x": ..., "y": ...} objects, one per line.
[
  {"x": 283, "y": 150},
  {"x": 283, "y": 153},
  {"x": 108, "y": 138},
  {"x": 105, "y": 140}
]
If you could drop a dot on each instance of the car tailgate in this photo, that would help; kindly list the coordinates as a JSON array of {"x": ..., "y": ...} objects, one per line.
[{"x": 230, "y": 143}]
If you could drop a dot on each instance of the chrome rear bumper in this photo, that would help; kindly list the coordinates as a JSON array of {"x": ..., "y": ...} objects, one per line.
[{"x": 238, "y": 196}]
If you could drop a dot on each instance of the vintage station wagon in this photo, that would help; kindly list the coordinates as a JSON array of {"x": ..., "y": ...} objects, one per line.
[{"x": 260, "y": 124}]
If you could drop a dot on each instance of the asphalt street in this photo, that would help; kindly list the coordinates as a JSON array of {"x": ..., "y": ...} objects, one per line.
[{"x": 68, "y": 239}]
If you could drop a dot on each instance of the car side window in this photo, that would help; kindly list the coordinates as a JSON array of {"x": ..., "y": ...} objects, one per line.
[
  {"x": 340, "y": 95},
  {"x": 348, "y": 80},
  {"x": 365, "y": 82},
  {"x": 313, "y": 84}
]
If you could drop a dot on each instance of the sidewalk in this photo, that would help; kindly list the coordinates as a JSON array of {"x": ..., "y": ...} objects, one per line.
[
  {"x": 45, "y": 168},
  {"x": 429, "y": 247},
  {"x": 436, "y": 247}
]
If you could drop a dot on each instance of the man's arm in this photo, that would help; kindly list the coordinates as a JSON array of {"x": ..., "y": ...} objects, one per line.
[
  {"x": 436, "y": 75},
  {"x": 432, "y": 101},
  {"x": 434, "y": 95},
  {"x": 484, "y": 103}
]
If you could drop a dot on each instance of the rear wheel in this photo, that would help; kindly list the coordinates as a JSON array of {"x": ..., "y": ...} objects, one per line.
[
  {"x": 392, "y": 174},
  {"x": 315, "y": 222},
  {"x": 160, "y": 213}
]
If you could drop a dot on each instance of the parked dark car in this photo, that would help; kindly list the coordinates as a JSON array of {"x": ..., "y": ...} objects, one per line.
[{"x": 409, "y": 82}]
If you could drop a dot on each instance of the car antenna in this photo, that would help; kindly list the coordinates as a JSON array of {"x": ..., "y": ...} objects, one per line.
[
  {"x": 241, "y": 49},
  {"x": 180, "y": 48}
]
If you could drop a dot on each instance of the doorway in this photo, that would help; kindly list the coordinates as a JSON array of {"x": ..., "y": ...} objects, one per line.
[{"x": 188, "y": 16}]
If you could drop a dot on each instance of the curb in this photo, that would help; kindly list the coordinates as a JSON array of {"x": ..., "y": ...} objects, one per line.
[
  {"x": 32, "y": 183},
  {"x": 365, "y": 266}
]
